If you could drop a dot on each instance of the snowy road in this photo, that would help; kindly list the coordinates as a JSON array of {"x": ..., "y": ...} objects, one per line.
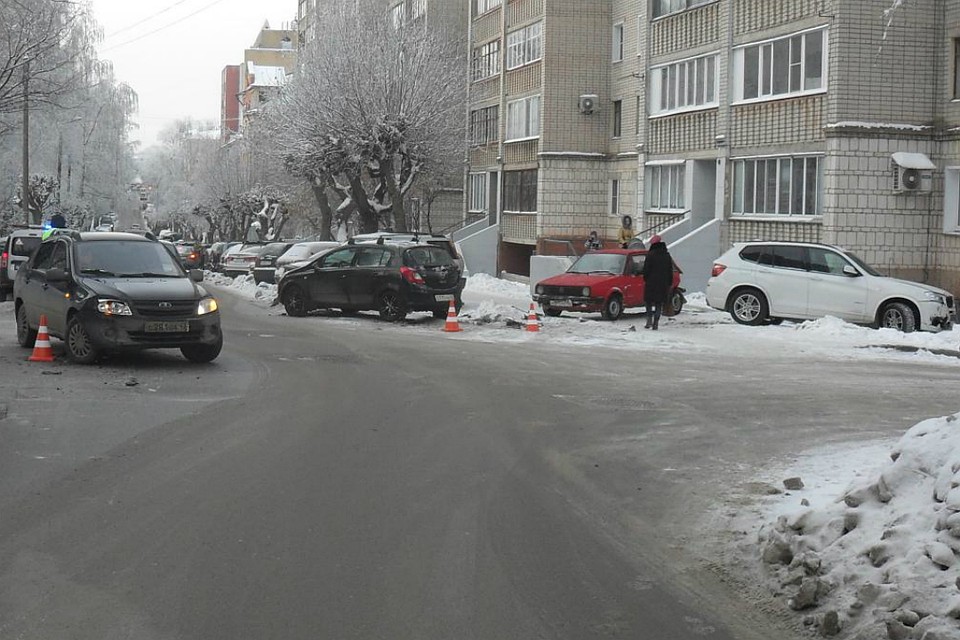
[{"x": 343, "y": 478}]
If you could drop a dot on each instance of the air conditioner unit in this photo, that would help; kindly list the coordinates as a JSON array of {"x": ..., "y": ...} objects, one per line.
[
  {"x": 906, "y": 179},
  {"x": 588, "y": 103}
]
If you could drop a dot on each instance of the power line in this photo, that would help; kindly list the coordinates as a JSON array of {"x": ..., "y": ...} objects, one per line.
[
  {"x": 166, "y": 26},
  {"x": 148, "y": 18}
]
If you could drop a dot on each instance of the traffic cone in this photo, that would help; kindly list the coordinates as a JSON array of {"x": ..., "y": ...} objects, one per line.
[
  {"x": 533, "y": 323},
  {"x": 452, "y": 326},
  {"x": 41, "y": 349}
]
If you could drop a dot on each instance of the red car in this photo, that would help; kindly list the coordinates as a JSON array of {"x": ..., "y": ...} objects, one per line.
[{"x": 607, "y": 281}]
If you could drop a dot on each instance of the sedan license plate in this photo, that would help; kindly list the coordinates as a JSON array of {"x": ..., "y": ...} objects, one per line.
[
  {"x": 167, "y": 327},
  {"x": 443, "y": 297}
]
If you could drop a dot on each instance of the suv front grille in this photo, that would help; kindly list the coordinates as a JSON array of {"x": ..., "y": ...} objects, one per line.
[{"x": 160, "y": 308}]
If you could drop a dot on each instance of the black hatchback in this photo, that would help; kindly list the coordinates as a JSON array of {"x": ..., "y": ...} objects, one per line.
[
  {"x": 393, "y": 278},
  {"x": 112, "y": 292}
]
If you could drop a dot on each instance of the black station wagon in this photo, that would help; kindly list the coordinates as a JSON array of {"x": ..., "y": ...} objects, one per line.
[{"x": 393, "y": 278}]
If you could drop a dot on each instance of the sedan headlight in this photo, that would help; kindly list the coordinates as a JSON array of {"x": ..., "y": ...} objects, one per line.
[
  {"x": 586, "y": 292},
  {"x": 933, "y": 296},
  {"x": 114, "y": 308},
  {"x": 207, "y": 305},
  {"x": 540, "y": 289}
]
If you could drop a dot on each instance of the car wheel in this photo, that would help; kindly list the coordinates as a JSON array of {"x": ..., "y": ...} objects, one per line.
[
  {"x": 676, "y": 302},
  {"x": 26, "y": 337},
  {"x": 551, "y": 311},
  {"x": 613, "y": 307},
  {"x": 899, "y": 316},
  {"x": 748, "y": 306},
  {"x": 391, "y": 306},
  {"x": 294, "y": 302},
  {"x": 80, "y": 348},
  {"x": 201, "y": 353}
]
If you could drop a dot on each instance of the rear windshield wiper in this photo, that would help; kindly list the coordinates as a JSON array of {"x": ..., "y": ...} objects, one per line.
[{"x": 98, "y": 272}]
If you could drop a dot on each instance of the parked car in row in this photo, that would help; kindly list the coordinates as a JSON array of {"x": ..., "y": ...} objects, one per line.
[
  {"x": 15, "y": 250},
  {"x": 215, "y": 252},
  {"x": 607, "y": 281},
  {"x": 393, "y": 278},
  {"x": 434, "y": 239},
  {"x": 114, "y": 292},
  {"x": 764, "y": 282},
  {"x": 265, "y": 265},
  {"x": 189, "y": 257},
  {"x": 300, "y": 254},
  {"x": 239, "y": 260}
]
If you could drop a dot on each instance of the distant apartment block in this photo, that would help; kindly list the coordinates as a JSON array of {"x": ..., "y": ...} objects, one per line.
[
  {"x": 266, "y": 65},
  {"x": 230, "y": 91},
  {"x": 715, "y": 121}
]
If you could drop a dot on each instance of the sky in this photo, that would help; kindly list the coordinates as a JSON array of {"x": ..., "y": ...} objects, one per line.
[{"x": 176, "y": 70}]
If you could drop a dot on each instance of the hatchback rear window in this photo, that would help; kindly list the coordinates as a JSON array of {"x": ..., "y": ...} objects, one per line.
[
  {"x": 24, "y": 245},
  {"x": 427, "y": 257},
  {"x": 446, "y": 244}
]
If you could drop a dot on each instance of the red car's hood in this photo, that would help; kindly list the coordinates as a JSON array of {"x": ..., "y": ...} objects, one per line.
[{"x": 578, "y": 279}]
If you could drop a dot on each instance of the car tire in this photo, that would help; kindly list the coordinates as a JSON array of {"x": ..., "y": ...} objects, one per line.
[
  {"x": 899, "y": 316},
  {"x": 676, "y": 302},
  {"x": 550, "y": 311},
  {"x": 202, "y": 353},
  {"x": 26, "y": 337},
  {"x": 748, "y": 306},
  {"x": 612, "y": 307},
  {"x": 391, "y": 306},
  {"x": 80, "y": 348},
  {"x": 294, "y": 301}
]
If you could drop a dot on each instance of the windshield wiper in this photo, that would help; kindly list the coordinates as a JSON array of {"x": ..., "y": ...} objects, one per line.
[
  {"x": 589, "y": 273},
  {"x": 98, "y": 272},
  {"x": 147, "y": 274}
]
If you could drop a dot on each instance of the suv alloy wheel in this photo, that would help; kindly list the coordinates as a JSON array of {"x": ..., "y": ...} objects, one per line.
[{"x": 79, "y": 347}]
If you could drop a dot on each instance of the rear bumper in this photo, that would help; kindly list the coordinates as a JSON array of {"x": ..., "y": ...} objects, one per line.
[
  {"x": 419, "y": 299},
  {"x": 265, "y": 274},
  {"x": 130, "y": 333}
]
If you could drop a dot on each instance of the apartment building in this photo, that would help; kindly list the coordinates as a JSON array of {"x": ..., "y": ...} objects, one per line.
[
  {"x": 230, "y": 91},
  {"x": 266, "y": 65},
  {"x": 715, "y": 121}
]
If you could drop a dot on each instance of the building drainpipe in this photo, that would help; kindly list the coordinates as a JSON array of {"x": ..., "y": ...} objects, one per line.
[
  {"x": 467, "y": 137},
  {"x": 501, "y": 125}
]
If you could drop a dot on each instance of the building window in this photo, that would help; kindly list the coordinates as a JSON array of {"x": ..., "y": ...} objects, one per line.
[
  {"x": 478, "y": 192},
  {"x": 482, "y": 6},
  {"x": 790, "y": 185},
  {"x": 618, "y": 42},
  {"x": 485, "y": 125},
  {"x": 615, "y": 197},
  {"x": 787, "y": 66},
  {"x": 525, "y": 45},
  {"x": 617, "y": 118},
  {"x": 684, "y": 86},
  {"x": 523, "y": 118},
  {"x": 486, "y": 61},
  {"x": 951, "y": 200},
  {"x": 665, "y": 186},
  {"x": 663, "y": 7},
  {"x": 956, "y": 68},
  {"x": 520, "y": 191}
]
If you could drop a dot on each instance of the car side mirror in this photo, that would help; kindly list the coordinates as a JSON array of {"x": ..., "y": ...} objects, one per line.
[
  {"x": 196, "y": 275},
  {"x": 56, "y": 275},
  {"x": 850, "y": 272}
]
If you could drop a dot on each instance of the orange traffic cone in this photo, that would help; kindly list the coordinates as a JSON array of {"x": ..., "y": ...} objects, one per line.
[
  {"x": 41, "y": 348},
  {"x": 533, "y": 323},
  {"x": 452, "y": 326}
]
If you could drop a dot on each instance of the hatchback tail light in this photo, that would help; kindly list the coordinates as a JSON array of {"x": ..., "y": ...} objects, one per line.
[
  {"x": 718, "y": 269},
  {"x": 4, "y": 260},
  {"x": 411, "y": 275}
]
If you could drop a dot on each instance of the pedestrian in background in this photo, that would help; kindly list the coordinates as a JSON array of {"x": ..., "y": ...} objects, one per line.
[
  {"x": 625, "y": 234},
  {"x": 593, "y": 242},
  {"x": 657, "y": 280}
]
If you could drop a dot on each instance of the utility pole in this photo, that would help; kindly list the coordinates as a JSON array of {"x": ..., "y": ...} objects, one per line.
[{"x": 25, "y": 185}]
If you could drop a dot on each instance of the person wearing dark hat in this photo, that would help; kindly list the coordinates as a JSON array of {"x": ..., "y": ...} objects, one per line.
[{"x": 657, "y": 279}]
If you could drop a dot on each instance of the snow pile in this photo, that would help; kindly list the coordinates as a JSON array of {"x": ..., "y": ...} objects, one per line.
[
  {"x": 882, "y": 560},
  {"x": 481, "y": 283},
  {"x": 244, "y": 286}
]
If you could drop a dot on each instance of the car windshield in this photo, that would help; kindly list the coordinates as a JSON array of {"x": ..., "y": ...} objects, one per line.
[
  {"x": 599, "y": 263},
  {"x": 863, "y": 265},
  {"x": 126, "y": 258},
  {"x": 274, "y": 249}
]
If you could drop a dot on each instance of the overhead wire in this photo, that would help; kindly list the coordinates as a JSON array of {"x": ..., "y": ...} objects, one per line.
[
  {"x": 147, "y": 19},
  {"x": 159, "y": 29}
]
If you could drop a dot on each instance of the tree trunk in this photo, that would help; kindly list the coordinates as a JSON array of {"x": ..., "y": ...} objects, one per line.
[
  {"x": 326, "y": 212},
  {"x": 369, "y": 220}
]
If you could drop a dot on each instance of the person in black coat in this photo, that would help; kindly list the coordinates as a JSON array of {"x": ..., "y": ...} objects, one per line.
[{"x": 658, "y": 280}]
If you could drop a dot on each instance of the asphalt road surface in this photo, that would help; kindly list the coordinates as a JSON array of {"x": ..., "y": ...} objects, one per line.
[{"x": 363, "y": 481}]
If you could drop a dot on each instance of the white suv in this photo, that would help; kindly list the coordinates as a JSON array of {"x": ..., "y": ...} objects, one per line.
[{"x": 761, "y": 282}]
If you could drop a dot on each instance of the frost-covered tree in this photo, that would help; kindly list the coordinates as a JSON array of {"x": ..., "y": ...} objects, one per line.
[{"x": 373, "y": 106}]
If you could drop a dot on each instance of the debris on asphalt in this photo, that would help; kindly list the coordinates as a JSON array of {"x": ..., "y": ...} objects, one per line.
[
  {"x": 793, "y": 484},
  {"x": 131, "y": 382}
]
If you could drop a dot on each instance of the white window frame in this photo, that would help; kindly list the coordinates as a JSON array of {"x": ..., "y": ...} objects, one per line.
[
  {"x": 525, "y": 45},
  {"x": 478, "y": 192},
  {"x": 528, "y": 111},
  {"x": 615, "y": 197},
  {"x": 483, "y": 6},
  {"x": 766, "y": 54},
  {"x": 705, "y": 71},
  {"x": 682, "y": 5},
  {"x": 951, "y": 200},
  {"x": 675, "y": 181},
  {"x": 618, "y": 37},
  {"x": 738, "y": 192},
  {"x": 485, "y": 61},
  {"x": 491, "y": 125}
]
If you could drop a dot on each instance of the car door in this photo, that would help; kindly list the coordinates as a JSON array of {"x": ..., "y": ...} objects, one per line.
[
  {"x": 365, "y": 278},
  {"x": 833, "y": 292},
  {"x": 782, "y": 274},
  {"x": 33, "y": 290},
  {"x": 327, "y": 285},
  {"x": 633, "y": 281}
]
